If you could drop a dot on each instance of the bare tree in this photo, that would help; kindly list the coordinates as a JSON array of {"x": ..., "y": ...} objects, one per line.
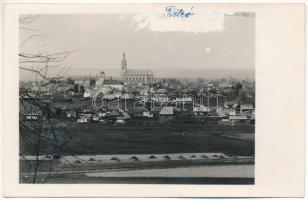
[{"x": 42, "y": 135}]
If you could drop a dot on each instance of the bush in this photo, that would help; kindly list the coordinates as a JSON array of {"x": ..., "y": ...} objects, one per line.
[
  {"x": 152, "y": 157},
  {"x": 135, "y": 158},
  {"x": 56, "y": 156},
  {"x": 77, "y": 161},
  {"x": 181, "y": 157},
  {"x": 167, "y": 157},
  {"x": 91, "y": 159},
  {"x": 115, "y": 158}
]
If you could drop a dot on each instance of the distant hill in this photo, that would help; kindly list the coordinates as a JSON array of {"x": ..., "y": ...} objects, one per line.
[{"x": 159, "y": 73}]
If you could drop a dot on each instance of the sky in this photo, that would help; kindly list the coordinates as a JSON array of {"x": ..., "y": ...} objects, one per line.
[{"x": 215, "y": 43}]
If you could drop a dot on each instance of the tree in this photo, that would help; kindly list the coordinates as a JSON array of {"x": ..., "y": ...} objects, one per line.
[
  {"x": 238, "y": 88},
  {"x": 82, "y": 89},
  {"x": 92, "y": 82},
  {"x": 70, "y": 81},
  {"x": 76, "y": 88},
  {"x": 42, "y": 135}
]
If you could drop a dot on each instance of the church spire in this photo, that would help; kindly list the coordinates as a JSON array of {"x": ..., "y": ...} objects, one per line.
[
  {"x": 123, "y": 64},
  {"x": 124, "y": 61}
]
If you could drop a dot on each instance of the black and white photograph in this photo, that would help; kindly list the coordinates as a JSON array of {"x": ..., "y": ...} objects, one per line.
[
  {"x": 137, "y": 97},
  {"x": 153, "y": 99}
]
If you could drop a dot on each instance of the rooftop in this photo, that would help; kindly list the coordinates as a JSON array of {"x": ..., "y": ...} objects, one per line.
[
  {"x": 237, "y": 117},
  {"x": 138, "y": 72},
  {"x": 112, "y": 82},
  {"x": 247, "y": 106},
  {"x": 166, "y": 111}
]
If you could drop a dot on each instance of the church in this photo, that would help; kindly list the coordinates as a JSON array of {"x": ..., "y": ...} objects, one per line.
[{"x": 135, "y": 75}]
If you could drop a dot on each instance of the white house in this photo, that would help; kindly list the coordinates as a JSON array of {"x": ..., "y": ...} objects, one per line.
[
  {"x": 82, "y": 120},
  {"x": 166, "y": 111},
  {"x": 246, "y": 108},
  {"x": 147, "y": 114},
  {"x": 114, "y": 84},
  {"x": 184, "y": 100}
]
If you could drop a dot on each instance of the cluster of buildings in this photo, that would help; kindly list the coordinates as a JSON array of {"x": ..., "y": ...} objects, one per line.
[{"x": 139, "y": 95}]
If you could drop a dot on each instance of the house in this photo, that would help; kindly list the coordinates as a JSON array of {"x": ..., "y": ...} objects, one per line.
[
  {"x": 119, "y": 117},
  {"x": 114, "y": 84},
  {"x": 161, "y": 92},
  {"x": 200, "y": 110},
  {"x": 220, "y": 113},
  {"x": 184, "y": 100},
  {"x": 120, "y": 121},
  {"x": 166, "y": 111},
  {"x": 95, "y": 118},
  {"x": 114, "y": 114},
  {"x": 85, "y": 116},
  {"x": 144, "y": 91},
  {"x": 224, "y": 122},
  {"x": 70, "y": 114},
  {"x": 87, "y": 93},
  {"x": 231, "y": 104},
  {"x": 238, "y": 119},
  {"x": 161, "y": 99},
  {"x": 147, "y": 114},
  {"x": 231, "y": 107},
  {"x": 102, "y": 114},
  {"x": 82, "y": 81},
  {"x": 246, "y": 108},
  {"x": 125, "y": 116},
  {"x": 105, "y": 89},
  {"x": 127, "y": 96},
  {"x": 33, "y": 116},
  {"x": 111, "y": 96},
  {"x": 82, "y": 120},
  {"x": 252, "y": 117}
]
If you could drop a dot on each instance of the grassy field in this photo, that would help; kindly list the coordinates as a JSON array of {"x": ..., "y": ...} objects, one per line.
[
  {"x": 151, "y": 137},
  {"x": 87, "y": 139}
]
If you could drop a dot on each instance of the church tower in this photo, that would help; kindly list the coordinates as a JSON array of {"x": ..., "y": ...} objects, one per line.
[
  {"x": 123, "y": 65},
  {"x": 101, "y": 78}
]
